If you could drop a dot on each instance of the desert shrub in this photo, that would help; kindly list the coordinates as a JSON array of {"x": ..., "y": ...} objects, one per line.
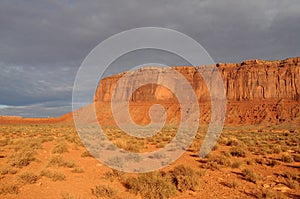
[
  {"x": 238, "y": 151},
  {"x": 111, "y": 175},
  {"x": 270, "y": 194},
  {"x": 8, "y": 170},
  {"x": 272, "y": 162},
  {"x": 291, "y": 183},
  {"x": 250, "y": 175},
  {"x": 232, "y": 142},
  {"x": 236, "y": 164},
  {"x": 28, "y": 144},
  {"x": 77, "y": 169},
  {"x": 104, "y": 191},
  {"x": 289, "y": 175},
  {"x": 154, "y": 185},
  {"x": 296, "y": 157},
  {"x": 276, "y": 149},
  {"x": 232, "y": 183},
  {"x": 158, "y": 155},
  {"x": 250, "y": 162},
  {"x": 111, "y": 147},
  {"x": 60, "y": 147},
  {"x": 53, "y": 175},
  {"x": 46, "y": 138},
  {"x": 133, "y": 157},
  {"x": 287, "y": 158},
  {"x": 86, "y": 154},
  {"x": 28, "y": 177},
  {"x": 217, "y": 161},
  {"x": 185, "y": 178},
  {"x": 68, "y": 196},
  {"x": 22, "y": 158},
  {"x": 59, "y": 161},
  {"x": 290, "y": 180},
  {"x": 5, "y": 141},
  {"x": 116, "y": 161},
  {"x": 9, "y": 189}
]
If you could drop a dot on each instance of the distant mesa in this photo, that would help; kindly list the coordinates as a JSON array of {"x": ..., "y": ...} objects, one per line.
[{"x": 257, "y": 92}]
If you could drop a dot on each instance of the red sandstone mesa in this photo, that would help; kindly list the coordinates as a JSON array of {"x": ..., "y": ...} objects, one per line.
[{"x": 257, "y": 91}]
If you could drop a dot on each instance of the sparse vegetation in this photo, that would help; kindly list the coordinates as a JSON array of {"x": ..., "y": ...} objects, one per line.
[
  {"x": 240, "y": 156},
  {"x": 53, "y": 175},
  {"x": 59, "y": 161},
  {"x": 251, "y": 175},
  {"x": 153, "y": 185},
  {"x": 9, "y": 188},
  {"x": 287, "y": 158},
  {"x": 60, "y": 147},
  {"x": 22, "y": 158},
  {"x": 185, "y": 178},
  {"x": 28, "y": 177},
  {"x": 104, "y": 191}
]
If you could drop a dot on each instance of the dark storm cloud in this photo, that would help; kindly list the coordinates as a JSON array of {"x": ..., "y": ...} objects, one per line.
[{"x": 42, "y": 43}]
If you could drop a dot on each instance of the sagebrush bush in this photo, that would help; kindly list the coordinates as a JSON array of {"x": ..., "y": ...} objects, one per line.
[
  {"x": 238, "y": 151},
  {"x": 28, "y": 144},
  {"x": 251, "y": 175},
  {"x": 104, "y": 191},
  {"x": 217, "y": 161},
  {"x": 154, "y": 185},
  {"x": 270, "y": 194},
  {"x": 22, "y": 158},
  {"x": 287, "y": 158},
  {"x": 7, "y": 170},
  {"x": 28, "y": 177},
  {"x": 9, "y": 189},
  {"x": 59, "y": 161},
  {"x": 53, "y": 175},
  {"x": 86, "y": 154},
  {"x": 185, "y": 178},
  {"x": 60, "y": 147}
]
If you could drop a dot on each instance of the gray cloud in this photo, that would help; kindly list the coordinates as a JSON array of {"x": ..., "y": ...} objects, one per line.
[{"x": 42, "y": 43}]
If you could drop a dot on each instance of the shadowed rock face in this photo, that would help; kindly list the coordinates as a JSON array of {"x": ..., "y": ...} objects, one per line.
[{"x": 257, "y": 91}]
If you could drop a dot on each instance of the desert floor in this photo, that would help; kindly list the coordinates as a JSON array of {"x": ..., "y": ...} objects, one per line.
[{"x": 49, "y": 161}]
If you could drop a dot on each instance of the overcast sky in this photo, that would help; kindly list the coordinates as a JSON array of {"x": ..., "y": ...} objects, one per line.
[{"x": 42, "y": 43}]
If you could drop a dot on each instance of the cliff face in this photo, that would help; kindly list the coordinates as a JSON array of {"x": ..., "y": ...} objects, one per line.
[
  {"x": 249, "y": 80},
  {"x": 257, "y": 91}
]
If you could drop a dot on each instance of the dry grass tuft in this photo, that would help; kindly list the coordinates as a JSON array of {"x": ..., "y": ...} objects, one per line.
[
  {"x": 53, "y": 175},
  {"x": 104, "y": 191}
]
